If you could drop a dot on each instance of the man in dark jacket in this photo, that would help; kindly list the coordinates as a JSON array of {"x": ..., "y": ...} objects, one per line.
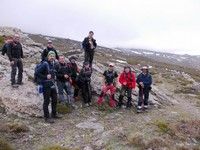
[
  {"x": 5, "y": 47},
  {"x": 48, "y": 49},
  {"x": 15, "y": 55},
  {"x": 47, "y": 74},
  {"x": 110, "y": 77},
  {"x": 64, "y": 82},
  {"x": 74, "y": 71},
  {"x": 144, "y": 81},
  {"x": 84, "y": 83},
  {"x": 89, "y": 44}
]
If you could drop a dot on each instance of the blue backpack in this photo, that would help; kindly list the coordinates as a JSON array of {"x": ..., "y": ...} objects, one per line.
[{"x": 38, "y": 67}]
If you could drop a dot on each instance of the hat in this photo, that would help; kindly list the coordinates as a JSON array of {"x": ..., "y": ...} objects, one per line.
[
  {"x": 111, "y": 64},
  {"x": 51, "y": 53},
  {"x": 144, "y": 68},
  {"x": 86, "y": 63},
  {"x": 49, "y": 41},
  {"x": 72, "y": 57}
]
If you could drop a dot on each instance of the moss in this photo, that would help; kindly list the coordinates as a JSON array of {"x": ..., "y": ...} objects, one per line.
[
  {"x": 4, "y": 145},
  {"x": 63, "y": 108}
]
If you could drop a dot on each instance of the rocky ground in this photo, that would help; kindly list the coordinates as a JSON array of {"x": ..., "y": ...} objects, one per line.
[{"x": 172, "y": 122}]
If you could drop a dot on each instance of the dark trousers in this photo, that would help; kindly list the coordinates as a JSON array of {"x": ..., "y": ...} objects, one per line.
[
  {"x": 86, "y": 92},
  {"x": 123, "y": 91},
  {"x": 143, "y": 96},
  {"x": 50, "y": 95},
  {"x": 17, "y": 64},
  {"x": 89, "y": 55}
]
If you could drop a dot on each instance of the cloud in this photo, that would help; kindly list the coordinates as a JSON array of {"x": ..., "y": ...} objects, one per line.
[{"x": 167, "y": 25}]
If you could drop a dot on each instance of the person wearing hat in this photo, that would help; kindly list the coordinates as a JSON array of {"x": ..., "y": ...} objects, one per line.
[
  {"x": 15, "y": 55},
  {"x": 84, "y": 80},
  {"x": 144, "y": 81},
  {"x": 89, "y": 44},
  {"x": 47, "y": 73},
  {"x": 74, "y": 71},
  {"x": 110, "y": 77},
  {"x": 48, "y": 49},
  {"x": 128, "y": 83}
]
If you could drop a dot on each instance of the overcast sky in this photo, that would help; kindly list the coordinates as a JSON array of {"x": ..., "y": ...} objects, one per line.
[{"x": 166, "y": 25}]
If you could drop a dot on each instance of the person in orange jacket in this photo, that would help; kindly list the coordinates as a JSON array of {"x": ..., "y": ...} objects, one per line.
[{"x": 128, "y": 81}]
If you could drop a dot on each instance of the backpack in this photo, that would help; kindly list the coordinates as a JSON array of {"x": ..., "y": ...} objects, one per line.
[
  {"x": 4, "y": 49},
  {"x": 37, "y": 79}
]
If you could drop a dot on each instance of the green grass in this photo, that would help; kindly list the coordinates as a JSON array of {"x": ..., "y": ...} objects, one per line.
[{"x": 1, "y": 41}]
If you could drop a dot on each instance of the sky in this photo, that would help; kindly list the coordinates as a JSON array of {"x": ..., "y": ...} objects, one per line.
[{"x": 161, "y": 25}]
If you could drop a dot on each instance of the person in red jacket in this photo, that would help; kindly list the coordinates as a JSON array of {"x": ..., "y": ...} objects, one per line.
[{"x": 128, "y": 81}]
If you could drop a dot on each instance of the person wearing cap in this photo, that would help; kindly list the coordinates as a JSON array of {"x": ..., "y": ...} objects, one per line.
[
  {"x": 15, "y": 55},
  {"x": 84, "y": 80},
  {"x": 144, "y": 81},
  {"x": 128, "y": 83},
  {"x": 64, "y": 82},
  {"x": 110, "y": 77},
  {"x": 7, "y": 43},
  {"x": 89, "y": 44},
  {"x": 74, "y": 71},
  {"x": 47, "y": 73},
  {"x": 48, "y": 49}
]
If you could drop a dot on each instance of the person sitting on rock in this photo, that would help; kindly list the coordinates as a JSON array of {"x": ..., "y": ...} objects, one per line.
[
  {"x": 47, "y": 50},
  {"x": 84, "y": 80},
  {"x": 128, "y": 82},
  {"x": 47, "y": 74},
  {"x": 89, "y": 44},
  {"x": 15, "y": 55},
  {"x": 64, "y": 83},
  {"x": 110, "y": 82},
  {"x": 74, "y": 71},
  {"x": 144, "y": 81}
]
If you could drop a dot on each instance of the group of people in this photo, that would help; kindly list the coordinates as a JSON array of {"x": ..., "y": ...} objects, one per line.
[{"x": 61, "y": 81}]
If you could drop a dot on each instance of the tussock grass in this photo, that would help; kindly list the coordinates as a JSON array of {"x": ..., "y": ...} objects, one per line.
[
  {"x": 63, "y": 108},
  {"x": 4, "y": 145},
  {"x": 14, "y": 128},
  {"x": 55, "y": 147}
]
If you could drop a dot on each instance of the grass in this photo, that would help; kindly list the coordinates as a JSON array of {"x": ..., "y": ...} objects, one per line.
[
  {"x": 164, "y": 127},
  {"x": 63, "y": 109},
  {"x": 54, "y": 147},
  {"x": 1, "y": 41},
  {"x": 14, "y": 128},
  {"x": 4, "y": 145}
]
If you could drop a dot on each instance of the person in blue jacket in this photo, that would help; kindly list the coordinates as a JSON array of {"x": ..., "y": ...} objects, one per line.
[
  {"x": 47, "y": 75},
  {"x": 144, "y": 81}
]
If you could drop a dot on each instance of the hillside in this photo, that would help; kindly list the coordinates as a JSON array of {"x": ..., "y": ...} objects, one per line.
[{"x": 172, "y": 123}]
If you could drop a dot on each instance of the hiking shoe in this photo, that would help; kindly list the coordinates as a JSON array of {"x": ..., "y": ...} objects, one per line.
[
  {"x": 48, "y": 120},
  {"x": 20, "y": 83},
  {"x": 139, "y": 110},
  {"x": 56, "y": 117},
  {"x": 14, "y": 85}
]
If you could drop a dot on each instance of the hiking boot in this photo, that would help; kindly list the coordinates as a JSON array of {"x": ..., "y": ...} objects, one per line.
[
  {"x": 48, "y": 120},
  {"x": 139, "y": 109},
  {"x": 87, "y": 105},
  {"x": 20, "y": 83},
  {"x": 56, "y": 117},
  {"x": 14, "y": 85}
]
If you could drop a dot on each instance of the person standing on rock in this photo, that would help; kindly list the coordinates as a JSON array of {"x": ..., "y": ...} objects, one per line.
[
  {"x": 48, "y": 49},
  {"x": 64, "y": 82},
  {"x": 8, "y": 41},
  {"x": 144, "y": 81},
  {"x": 15, "y": 55},
  {"x": 84, "y": 80},
  {"x": 89, "y": 44},
  {"x": 74, "y": 71},
  {"x": 47, "y": 74},
  {"x": 110, "y": 77},
  {"x": 128, "y": 82}
]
